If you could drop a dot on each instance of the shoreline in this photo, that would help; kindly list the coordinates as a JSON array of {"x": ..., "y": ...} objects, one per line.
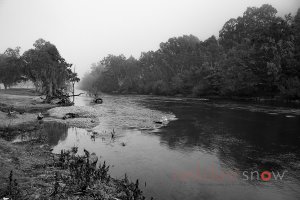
[
  {"x": 29, "y": 169},
  {"x": 252, "y": 99}
]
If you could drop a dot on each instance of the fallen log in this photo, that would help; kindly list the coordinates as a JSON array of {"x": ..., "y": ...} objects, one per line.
[{"x": 62, "y": 99}]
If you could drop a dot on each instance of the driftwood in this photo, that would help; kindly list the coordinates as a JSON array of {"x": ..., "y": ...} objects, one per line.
[
  {"x": 61, "y": 96},
  {"x": 70, "y": 115},
  {"x": 67, "y": 96},
  {"x": 63, "y": 99}
]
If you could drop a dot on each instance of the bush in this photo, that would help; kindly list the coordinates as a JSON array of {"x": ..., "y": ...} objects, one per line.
[
  {"x": 160, "y": 87},
  {"x": 290, "y": 88}
]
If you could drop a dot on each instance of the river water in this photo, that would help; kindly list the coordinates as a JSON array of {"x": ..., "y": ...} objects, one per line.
[{"x": 200, "y": 150}]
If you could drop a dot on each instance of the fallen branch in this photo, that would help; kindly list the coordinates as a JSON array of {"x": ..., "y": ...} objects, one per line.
[{"x": 75, "y": 95}]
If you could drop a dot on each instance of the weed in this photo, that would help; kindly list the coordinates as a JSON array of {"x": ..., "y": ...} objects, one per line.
[
  {"x": 13, "y": 190},
  {"x": 83, "y": 175}
]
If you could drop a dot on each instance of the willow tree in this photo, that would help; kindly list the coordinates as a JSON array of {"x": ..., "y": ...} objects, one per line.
[{"x": 47, "y": 69}]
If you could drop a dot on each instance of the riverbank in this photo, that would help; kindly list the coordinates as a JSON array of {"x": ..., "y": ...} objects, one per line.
[
  {"x": 29, "y": 169},
  {"x": 251, "y": 99}
]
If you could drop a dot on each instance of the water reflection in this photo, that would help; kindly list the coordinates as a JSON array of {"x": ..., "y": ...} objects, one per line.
[
  {"x": 50, "y": 132},
  {"x": 56, "y": 132},
  {"x": 242, "y": 140}
]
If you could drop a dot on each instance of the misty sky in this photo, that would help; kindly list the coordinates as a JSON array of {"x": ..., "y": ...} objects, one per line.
[{"x": 84, "y": 31}]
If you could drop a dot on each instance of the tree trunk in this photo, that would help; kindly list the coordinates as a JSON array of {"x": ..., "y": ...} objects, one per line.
[
  {"x": 73, "y": 92},
  {"x": 50, "y": 91}
]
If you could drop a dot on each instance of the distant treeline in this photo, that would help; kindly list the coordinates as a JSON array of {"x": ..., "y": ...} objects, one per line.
[
  {"x": 257, "y": 54},
  {"x": 43, "y": 65}
]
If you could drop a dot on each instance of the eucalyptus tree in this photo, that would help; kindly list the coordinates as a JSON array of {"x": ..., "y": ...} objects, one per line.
[{"x": 47, "y": 68}]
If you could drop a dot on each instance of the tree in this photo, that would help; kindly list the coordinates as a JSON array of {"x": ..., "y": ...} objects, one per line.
[
  {"x": 256, "y": 54},
  {"x": 47, "y": 69},
  {"x": 73, "y": 77},
  {"x": 296, "y": 31},
  {"x": 11, "y": 67}
]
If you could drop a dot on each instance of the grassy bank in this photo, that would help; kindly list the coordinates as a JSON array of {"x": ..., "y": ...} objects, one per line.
[{"x": 22, "y": 100}]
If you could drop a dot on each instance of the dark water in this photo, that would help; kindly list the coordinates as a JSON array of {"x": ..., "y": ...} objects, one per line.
[{"x": 200, "y": 152}]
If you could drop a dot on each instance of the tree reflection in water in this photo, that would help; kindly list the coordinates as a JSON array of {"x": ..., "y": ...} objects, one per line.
[
  {"x": 242, "y": 140},
  {"x": 55, "y": 132}
]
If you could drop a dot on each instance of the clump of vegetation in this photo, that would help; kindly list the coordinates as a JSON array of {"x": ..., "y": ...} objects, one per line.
[
  {"x": 43, "y": 65},
  {"x": 73, "y": 176},
  {"x": 13, "y": 190},
  {"x": 83, "y": 176},
  {"x": 130, "y": 189}
]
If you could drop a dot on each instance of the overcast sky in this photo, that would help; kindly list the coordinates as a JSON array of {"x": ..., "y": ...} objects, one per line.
[{"x": 84, "y": 31}]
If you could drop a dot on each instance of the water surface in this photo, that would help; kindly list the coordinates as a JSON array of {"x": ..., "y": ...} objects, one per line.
[{"x": 200, "y": 151}]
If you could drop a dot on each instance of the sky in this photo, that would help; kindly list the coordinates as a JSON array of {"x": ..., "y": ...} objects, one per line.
[{"x": 85, "y": 31}]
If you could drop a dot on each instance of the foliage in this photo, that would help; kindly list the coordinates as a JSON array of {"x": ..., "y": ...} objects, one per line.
[
  {"x": 76, "y": 177},
  {"x": 85, "y": 178},
  {"x": 47, "y": 69},
  {"x": 257, "y": 54},
  {"x": 11, "y": 67},
  {"x": 13, "y": 190},
  {"x": 43, "y": 65}
]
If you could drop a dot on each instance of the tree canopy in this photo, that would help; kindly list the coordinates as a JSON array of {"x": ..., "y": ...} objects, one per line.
[
  {"x": 11, "y": 67},
  {"x": 43, "y": 65},
  {"x": 256, "y": 54}
]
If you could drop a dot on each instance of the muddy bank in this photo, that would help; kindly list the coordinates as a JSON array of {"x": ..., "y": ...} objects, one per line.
[
  {"x": 29, "y": 169},
  {"x": 18, "y": 111},
  {"x": 25, "y": 104},
  {"x": 86, "y": 117},
  {"x": 25, "y": 160}
]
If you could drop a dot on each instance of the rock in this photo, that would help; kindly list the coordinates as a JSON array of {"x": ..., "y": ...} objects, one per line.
[
  {"x": 98, "y": 100},
  {"x": 123, "y": 144},
  {"x": 12, "y": 114},
  {"x": 93, "y": 159},
  {"x": 40, "y": 116}
]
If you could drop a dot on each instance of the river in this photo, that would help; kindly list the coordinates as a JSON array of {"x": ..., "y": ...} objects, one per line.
[{"x": 193, "y": 149}]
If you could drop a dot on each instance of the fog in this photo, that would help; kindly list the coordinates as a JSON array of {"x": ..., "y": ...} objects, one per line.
[{"x": 86, "y": 31}]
